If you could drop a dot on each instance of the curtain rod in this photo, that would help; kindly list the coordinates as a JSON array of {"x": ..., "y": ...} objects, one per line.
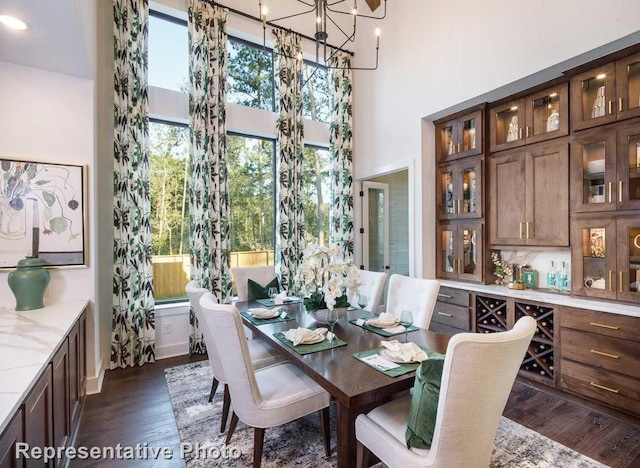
[{"x": 255, "y": 18}]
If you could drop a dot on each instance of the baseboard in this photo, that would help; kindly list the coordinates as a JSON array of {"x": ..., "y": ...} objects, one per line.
[
  {"x": 172, "y": 350},
  {"x": 94, "y": 384}
]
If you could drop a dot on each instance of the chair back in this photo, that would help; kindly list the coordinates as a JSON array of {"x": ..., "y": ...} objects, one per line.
[
  {"x": 195, "y": 293},
  {"x": 260, "y": 274},
  {"x": 418, "y": 295},
  {"x": 372, "y": 287},
  {"x": 479, "y": 371},
  {"x": 225, "y": 324}
]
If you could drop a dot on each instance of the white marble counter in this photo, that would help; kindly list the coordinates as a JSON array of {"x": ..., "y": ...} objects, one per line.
[
  {"x": 28, "y": 341},
  {"x": 550, "y": 298}
]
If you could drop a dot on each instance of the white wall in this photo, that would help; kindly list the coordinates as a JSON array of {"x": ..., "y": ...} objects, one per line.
[
  {"x": 438, "y": 53},
  {"x": 47, "y": 116}
]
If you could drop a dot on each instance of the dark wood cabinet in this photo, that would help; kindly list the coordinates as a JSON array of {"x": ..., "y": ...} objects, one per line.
[
  {"x": 459, "y": 136},
  {"x": 12, "y": 435},
  {"x": 459, "y": 251},
  {"x": 38, "y": 417},
  {"x": 540, "y": 116},
  {"x": 451, "y": 313},
  {"x": 459, "y": 189},
  {"x": 529, "y": 197},
  {"x": 61, "y": 380}
]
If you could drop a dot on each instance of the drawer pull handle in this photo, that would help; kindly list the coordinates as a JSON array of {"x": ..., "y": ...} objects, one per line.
[
  {"x": 446, "y": 315},
  {"x": 602, "y": 325},
  {"x": 602, "y": 387},
  {"x": 614, "y": 356},
  {"x": 444, "y": 295}
]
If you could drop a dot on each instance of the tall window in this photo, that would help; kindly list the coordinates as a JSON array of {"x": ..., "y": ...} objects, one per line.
[
  {"x": 250, "y": 75},
  {"x": 169, "y": 160},
  {"x": 168, "y": 53},
  {"x": 251, "y": 199},
  {"x": 315, "y": 93},
  {"x": 317, "y": 187}
]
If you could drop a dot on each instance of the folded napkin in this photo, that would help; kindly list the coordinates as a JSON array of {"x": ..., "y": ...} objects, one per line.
[
  {"x": 402, "y": 352},
  {"x": 383, "y": 320},
  {"x": 305, "y": 336},
  {"x": 282, "y": 298},
  {"x": 261, "y": 313}
]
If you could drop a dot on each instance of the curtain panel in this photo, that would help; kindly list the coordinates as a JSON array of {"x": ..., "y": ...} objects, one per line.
[
  {"x": 290, "y": 146},
  {"x": 341, "y": 149},
  {"x": 133, "y": 318},
  {"x": 209, "y": 243}
]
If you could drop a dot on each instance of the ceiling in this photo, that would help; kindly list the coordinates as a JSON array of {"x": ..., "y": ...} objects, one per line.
[{"x": 54, "y": 40}]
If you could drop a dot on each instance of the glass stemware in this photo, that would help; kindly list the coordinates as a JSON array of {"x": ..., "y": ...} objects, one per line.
[
  {"x": 332, "y": 319},
  {"x": 406, "y": 320},
  {"x": 363, "y": 301},
  {"x": 272, "y": 292}
]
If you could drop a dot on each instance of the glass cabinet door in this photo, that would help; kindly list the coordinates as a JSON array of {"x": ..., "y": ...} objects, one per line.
[
  {"x": 469, "y": 138},
  {"x": 628, "y": 244},
  {"x": 470, "y": 253},
  {"x": 628, "y": 167},
  {"x": 446, "y": 261},
  {"x": 447, "y": 205},
  {"x": 628, "y": 87},
  {"x": 593, "y": 97},
  {"x": 507, "y": 125},
  {"x": 593, "y": 171},
  {"x": 446, "y": 141},
  {"x": 547, "y": 114},
  {"x": 470, "y": 185},
  {"x": 594, "y": 258}
]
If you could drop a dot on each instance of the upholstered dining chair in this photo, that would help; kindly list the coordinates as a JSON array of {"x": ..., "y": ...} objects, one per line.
[
  {"x": 260, "y": 353},
  {"x": 478, "y": 373},
  {"x": 260, "y": 274},
  {"x": 418, "y": 295},
  {"x": 373, "y": 283},
  {"x": 266, "y": 397}
]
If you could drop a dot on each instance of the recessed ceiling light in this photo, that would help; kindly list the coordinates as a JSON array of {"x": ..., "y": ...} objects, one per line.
[{"x": 13, "y": 23}]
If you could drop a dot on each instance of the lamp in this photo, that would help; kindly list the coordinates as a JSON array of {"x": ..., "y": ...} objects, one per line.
[{"x": 322, "y": 11}]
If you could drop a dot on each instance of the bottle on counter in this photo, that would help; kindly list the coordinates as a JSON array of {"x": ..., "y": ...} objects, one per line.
[
  {"x": 551, "y": 278},
  {"x": 562, "y": 278}
]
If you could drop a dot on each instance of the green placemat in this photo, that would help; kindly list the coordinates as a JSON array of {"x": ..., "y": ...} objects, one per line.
[
  {"x": 258, "y": 321},
  {"x": 310, "y": 348},
  {"x": 270, "y": 303},
  {"x": 398, "y": 371},
  {"x": 380, "y": 331}
]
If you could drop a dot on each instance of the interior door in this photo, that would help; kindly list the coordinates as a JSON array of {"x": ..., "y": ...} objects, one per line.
[{"x": 375, "y": 212}]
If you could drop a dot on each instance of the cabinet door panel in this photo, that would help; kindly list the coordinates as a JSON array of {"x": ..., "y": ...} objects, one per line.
[
  {"x": 628, "y": 260},
  {"x": 628, "y": 87},
  {"x": 10, "y": 437},
  {"x": 628, "y": 167},
  {"x": 593, "y": 97},
  {"x": 446, "y": 251},
  {"x": 469, "y": 255},
  {"x": 469, "y": 135},
  {"x": 547, "y": 114},
  {"x": 60, "y": 394},
  {"x": 507, "y": 124},
  {"x": 446, "y": 141},
  {"x": 548, "y": 207},
  {"x": 38, "y": 417},
  {"x": 507, "y": 179}
]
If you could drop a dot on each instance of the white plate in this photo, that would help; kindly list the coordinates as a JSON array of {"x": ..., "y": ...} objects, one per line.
[{"x": 385, "y": 353}]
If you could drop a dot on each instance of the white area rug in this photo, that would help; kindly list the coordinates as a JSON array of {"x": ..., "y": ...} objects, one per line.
[{"x": 299, "y": 444}]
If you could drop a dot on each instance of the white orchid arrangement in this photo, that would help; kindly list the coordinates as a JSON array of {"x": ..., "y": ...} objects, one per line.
[{"x": 325, "y": 276}]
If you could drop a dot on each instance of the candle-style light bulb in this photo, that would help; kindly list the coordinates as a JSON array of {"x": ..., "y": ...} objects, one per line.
[
  {"x": 377, "y": 38},
  {"x": 263, "y": 13}
]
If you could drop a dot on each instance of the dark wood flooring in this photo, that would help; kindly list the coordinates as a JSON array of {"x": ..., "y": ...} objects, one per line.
[{"x": 134, "y": 407}]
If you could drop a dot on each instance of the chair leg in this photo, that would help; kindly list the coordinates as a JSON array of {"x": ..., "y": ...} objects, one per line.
[
  {"x": 326, "y": 430},
  {"x": 214, "y": 387},
  {"x": 362, "y": 455},
  {"x": 232, "y": 427},
  {"x": 226, "y": 403},
  {"x": 258, "y": 442}
]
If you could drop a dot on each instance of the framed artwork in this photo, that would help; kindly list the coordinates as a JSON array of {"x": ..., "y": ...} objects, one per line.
[{"x": 43, "y": 212}]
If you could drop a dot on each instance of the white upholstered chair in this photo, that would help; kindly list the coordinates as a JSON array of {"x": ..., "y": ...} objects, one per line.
[
  {"x": 260, "y": 274},
  {"x": 261, "y": 354},
  {"x": 479, "y": 371},
  {"x": 265, "y": 397},
  {"x": 373, "y": 283},
  {"x": 415, "y": 294}
]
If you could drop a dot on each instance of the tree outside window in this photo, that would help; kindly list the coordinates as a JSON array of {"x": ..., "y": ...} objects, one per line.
[
  {"x": 250, "y": 75},
  {"x": 317, "y": 193}
]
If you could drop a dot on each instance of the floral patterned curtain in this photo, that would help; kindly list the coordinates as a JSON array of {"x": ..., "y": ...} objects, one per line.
[
  {"x": 209, "y": 243},
  {"x": 133, "y": 323},
  {"x": 341, "y": 149},
  {"x": 290, "y": 143}
]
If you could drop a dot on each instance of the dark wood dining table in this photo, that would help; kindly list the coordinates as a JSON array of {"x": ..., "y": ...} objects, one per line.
[{"x": 356, "y": 387}]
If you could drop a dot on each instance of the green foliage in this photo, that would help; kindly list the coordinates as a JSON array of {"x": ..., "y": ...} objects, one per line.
[
  {"x": 250, "y": 76},
  {"x": 316, "y": 301},
  {"x": 316, "y": 194},
  {"x": 316, "y": 96}
]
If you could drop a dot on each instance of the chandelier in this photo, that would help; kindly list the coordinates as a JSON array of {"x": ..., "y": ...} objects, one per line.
[{"x": 324, "y": 12}]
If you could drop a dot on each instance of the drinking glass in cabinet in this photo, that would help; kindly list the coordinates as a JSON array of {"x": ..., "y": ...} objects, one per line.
[
  {"x": 594, "y": 96},
  {"x": 594, "y": 258},
  {"x": 507, "y": 125},
  {"x": 546, "y": 114}
]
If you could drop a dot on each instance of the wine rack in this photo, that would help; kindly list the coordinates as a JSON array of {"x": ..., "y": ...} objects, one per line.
[
  {"x": 491, "y": 314},
  {"x": 538, "y": 360}
]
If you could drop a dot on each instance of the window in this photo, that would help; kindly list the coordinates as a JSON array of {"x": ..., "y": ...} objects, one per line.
[
  {"x": 169, "y": 159},
  {"x": 316, "y": 104},
  {"x": 250, "y": 75},
  {"x": 251, "y": 188},
  {"x": 168, "y": 52},
  {"x": 317, "y": 193}
]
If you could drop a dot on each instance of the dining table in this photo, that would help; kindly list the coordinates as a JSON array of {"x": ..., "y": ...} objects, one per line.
[{"x": 356, "y": 387}]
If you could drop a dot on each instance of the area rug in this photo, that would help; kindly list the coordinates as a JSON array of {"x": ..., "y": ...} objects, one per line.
[{"x": 299, "y": 443}]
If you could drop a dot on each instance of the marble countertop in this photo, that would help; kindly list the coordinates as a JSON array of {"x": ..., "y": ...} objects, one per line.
[
  {"x": 548, "y": 297},
  {"x": 28, "y": 341}
]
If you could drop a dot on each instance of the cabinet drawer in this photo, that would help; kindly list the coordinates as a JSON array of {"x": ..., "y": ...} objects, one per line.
[
  {"x": 602, "y": 385},
  {"x": 601, "y": 351},
  {"x": 602, "y": 323},
  {"x": 453, "y": 296},
  {"x": 452, "y": 315}
]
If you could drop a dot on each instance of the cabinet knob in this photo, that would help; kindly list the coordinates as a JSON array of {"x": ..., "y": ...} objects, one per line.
[
  {"x": 602, "y": 353},
  {"x": 520, "y": 230},
  {"x": 610, "y": 107},
  {"x": 602, "y": 387},
  {"x": 610, "y": 189},
  {"x": 620, "y": 191},
  {"x": 527, "y": 229},
  {"x": 602, "y": 325},
  {"x": 610, "y": 280},
  {"x": 526, "y": 131},
  {"x": 446, "y": 315},
  {"x": 459, "y": 148},
  {"x": 620, "y": 282},
  {"x": 619, "y": 104},
  {"x": 520, "y": 133}
]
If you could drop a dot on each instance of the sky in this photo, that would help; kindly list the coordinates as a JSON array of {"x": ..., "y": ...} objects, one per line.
[{"x": 168, "y": 54}]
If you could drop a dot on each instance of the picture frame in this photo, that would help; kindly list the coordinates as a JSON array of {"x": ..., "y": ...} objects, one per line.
[{"x": 43, "y": 212}]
